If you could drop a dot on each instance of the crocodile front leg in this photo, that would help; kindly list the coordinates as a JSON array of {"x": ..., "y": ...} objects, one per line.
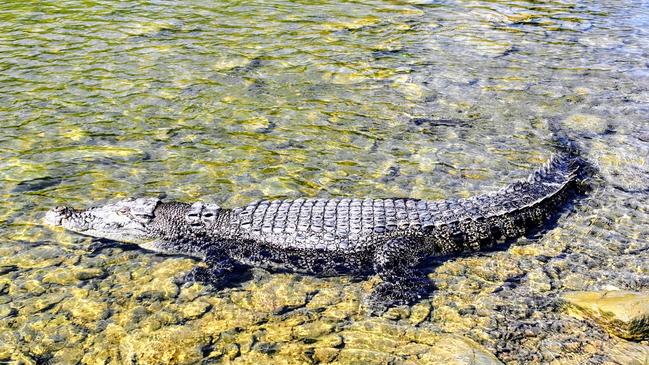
[
  {"x": 394, "y": 262},
  {"x": 215, "y": 274}
]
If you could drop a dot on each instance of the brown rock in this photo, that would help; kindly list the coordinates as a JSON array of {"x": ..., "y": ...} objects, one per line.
[
  {"x": 629, "y": 353},
  {"x": 325, "y": 354},
  {"x": 455, "y": 350},
  {"x": 622, "y": 313}
]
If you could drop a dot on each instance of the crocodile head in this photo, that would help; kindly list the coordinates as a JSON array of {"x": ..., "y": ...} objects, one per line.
[{"x": 130, "y": 220}]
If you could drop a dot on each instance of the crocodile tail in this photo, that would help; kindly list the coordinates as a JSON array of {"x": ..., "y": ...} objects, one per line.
[
  {"x": 570, "y": 149},
  {"x": 513, "y": 211},
  {"x": 561, "y": 169},
  {"x": 528, "y": 204}
]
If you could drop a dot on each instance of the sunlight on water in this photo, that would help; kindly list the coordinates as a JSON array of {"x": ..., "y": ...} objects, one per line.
[{"x": 234, "y": 101}]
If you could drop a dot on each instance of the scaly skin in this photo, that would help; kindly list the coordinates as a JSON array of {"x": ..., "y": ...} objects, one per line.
[{"x": 325, "y": 237}]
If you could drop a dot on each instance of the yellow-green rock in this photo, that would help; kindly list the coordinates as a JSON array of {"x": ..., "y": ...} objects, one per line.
[
  {"x": 629, "y": 353},
  {"x": 70, "y": 275},
  {"x": 194, "y": 309},
  {"x": 622, "y": 313},
  {"x": 169, "y": 345},
  {"x": 455, "y": 350},
  {"x": 585, "y": 123},
  {"x": 85, "y": 309},
  {"x": 325, "y": 354},
  {"x": 158, "y": 288}
]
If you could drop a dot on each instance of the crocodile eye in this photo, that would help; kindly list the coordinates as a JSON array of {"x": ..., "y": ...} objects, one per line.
[{"x": 124, "y": 210}]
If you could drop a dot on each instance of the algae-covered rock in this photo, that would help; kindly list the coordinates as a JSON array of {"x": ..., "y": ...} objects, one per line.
[
  {"x": 622, "y": 313},
  {"x": 85, "y": 306},
  {"x": 279, "y": 295},
  {"x": 158, "y": 288},
  {"x": 585, "y": 123},
  {"x": 455, "y": 350},
  {"x": 41, "y": 303},
  {"x": 419, "y": 313},
  {"x": 194, "y": 309},
  {"x": 375, "y": 348},
  {"x": 325, "y": 354},
  {"x": 169, "y": 345},
  {"x": 629, "y": 353},
  {"x": 37, "y": 257},
  {"x": 6, "y": 311},
  {"x": 71, "y": 275}
]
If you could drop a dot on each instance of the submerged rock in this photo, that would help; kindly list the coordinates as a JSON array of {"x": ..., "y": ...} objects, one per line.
[
  {"x": 169, "y": 345},
  {"x": 585, "y": 123},
  {"x": 629, "y": 353},
  {"x": 85, "y": 310},
  {"x": 71, "y": 275},
  {"x": 195, "y": 309},
  {"x": 455, "y": 350},
  {"x": 622, "y": 313}
]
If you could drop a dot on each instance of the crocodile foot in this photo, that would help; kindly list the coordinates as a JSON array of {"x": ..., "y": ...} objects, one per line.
[
  {"x": 395, "y": 293},
  {"x": 204, "y": 275}
]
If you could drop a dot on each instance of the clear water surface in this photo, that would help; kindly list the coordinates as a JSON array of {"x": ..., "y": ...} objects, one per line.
[{"x": 233, "y": 101}]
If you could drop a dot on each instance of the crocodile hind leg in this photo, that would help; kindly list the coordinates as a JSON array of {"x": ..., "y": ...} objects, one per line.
[{"x": 402, "y": 284}]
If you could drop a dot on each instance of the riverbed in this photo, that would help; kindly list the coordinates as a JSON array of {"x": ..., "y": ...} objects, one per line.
[{"x": 235, "y": 101}]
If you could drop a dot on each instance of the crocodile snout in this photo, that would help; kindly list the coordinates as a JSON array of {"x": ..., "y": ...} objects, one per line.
[{"x": 55, "y": 216}]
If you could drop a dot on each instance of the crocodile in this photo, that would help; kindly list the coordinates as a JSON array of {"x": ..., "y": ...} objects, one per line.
[{"x": 328, "y": 237}]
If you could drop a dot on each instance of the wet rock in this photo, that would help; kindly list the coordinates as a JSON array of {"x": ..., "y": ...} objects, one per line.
[
  {"x": 131, "y": 318},
  {"x": 7, "y": 269},
  {"x": 71, "y": 275},
  {"x": 85, "y": 310},
  {"x": 169, "y": 345},
  {"x": 41, "y": 303},
  {"x": 364, "y": 356},
  {"x": 419, "y": 313},
  {"x": 629, "y": 353},
  {"x": 312, "y": 330},
  {"x": 622, "y": 313},
  {"x": 324, "y": 298},
  {"x": 158, "y": 320},
  {"x": 373, "y": 342},
  {"x": 37, "y": 257},
  {"x": 189, "y": 293},
  {"x": 195, "y": 309},
  {"x": 4, "y": 288},
  {"x": 455, "y": 350},
  {"x": 539, "y": 281},
  {"x": 278, "y": 296},
  {"x": 367, "y": 341},
  {"x": 6, "y": 350},
  {"x": 68, "y": 355},
  {"x": 158, "y": 289},
  {"x": 333, "y": 340},
  {"x": 325, "y": 354},
  {"x": 7, "y": 311},
  {"x": 396, "y": 313},
  {"x": 585, "y": 123}
]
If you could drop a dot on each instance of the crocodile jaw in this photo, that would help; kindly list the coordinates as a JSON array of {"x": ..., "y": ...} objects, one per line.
[{"x": 118, "y": 222}]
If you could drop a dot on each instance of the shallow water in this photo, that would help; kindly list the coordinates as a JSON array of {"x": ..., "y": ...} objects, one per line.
[{"x": 235, "y": 101}]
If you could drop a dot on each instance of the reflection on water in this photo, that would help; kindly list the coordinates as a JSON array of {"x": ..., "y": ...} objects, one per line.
[{"x": 236, "y": 101}]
